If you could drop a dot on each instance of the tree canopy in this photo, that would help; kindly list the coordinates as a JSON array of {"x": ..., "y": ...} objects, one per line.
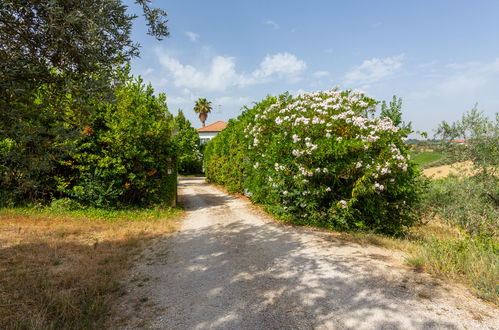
[{"x": 47, "y": 41}]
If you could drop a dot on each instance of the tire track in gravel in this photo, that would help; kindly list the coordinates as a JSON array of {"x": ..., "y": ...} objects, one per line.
[{"x": 230, "y": 267}]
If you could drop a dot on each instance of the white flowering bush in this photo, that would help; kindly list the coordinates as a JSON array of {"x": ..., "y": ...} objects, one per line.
[{"x": 321, "y": 159}]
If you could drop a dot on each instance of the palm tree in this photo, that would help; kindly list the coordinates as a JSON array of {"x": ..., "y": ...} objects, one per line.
[{"x": 202, "y": 107}]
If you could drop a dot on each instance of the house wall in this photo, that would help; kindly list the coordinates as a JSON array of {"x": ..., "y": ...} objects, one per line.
[{"x": 206, "y": 136}]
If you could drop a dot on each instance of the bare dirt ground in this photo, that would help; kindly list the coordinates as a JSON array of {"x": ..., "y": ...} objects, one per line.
[{"x": 231, "y": 267}]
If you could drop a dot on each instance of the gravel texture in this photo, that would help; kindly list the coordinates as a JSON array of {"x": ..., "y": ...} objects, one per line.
[{"x": 231, "y": 267}]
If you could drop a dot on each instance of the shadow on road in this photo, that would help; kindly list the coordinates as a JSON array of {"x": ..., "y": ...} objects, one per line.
[{"x": 242, "y": 274}]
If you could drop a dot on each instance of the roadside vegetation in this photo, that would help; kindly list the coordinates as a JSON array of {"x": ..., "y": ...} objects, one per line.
[
  {"x": 468, "y": 205},
  {"x": 88, "y": 161},
  {"x": 63, "y": 268},
  {"x": 190, "y": 157},
  {"x": 321, "y": 159},
  {"x": 332, "y": 179}
]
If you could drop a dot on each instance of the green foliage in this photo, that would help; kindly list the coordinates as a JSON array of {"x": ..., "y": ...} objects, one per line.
[
  {"x": 468, "y": 203},
  {"x": 59, "y": 61},
  {"x": 127, "y": 156},
  {"x": 61, "y": 40},
  {"x": 116, "y": 154},
  {"x": 318, "y": 159},
  {"x": 481, "y": 136},
  {"x": 188, "y": 146},
  {"x": 471, "y": 258},
  {"x": 478, "y": 215}
]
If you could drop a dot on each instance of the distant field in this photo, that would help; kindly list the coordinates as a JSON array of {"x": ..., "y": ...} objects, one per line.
[{"x": 426, "y": 158}]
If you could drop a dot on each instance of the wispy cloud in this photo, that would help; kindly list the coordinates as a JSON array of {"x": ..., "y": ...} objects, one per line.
[
  {"x": 374, "y": 70},
  {"x": 458, "y": 79},
  {"x": 272, "y": 23},
  {"x": 192, "y": 35}
]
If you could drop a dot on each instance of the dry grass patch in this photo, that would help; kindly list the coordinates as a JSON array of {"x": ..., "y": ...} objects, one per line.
[
  {"x": 63, "y": 271},
  {"x": 444, "y": 251}
]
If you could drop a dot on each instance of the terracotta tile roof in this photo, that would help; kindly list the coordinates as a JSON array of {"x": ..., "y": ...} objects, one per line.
[{"x": 217, "y": 126}]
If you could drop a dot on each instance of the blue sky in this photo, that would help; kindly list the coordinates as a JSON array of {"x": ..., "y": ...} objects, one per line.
[{"x": 441, "y": 57}]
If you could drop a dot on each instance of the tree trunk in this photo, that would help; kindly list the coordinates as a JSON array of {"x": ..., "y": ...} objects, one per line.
[{"x": 202, "y": 117}]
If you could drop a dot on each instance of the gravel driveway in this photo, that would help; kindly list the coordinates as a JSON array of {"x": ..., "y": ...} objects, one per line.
[{"x": 230, "y": 267}]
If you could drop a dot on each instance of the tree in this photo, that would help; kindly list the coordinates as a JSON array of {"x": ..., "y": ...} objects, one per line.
[
  {"x": 393, "y": 110},
  {"x": 202, "y": 107},
  {"x": 51, "y": 41},
  {"x": 58, "y": 61},
  {"x": 187, "y": 142},
  {"x": 481, "y": 136}
]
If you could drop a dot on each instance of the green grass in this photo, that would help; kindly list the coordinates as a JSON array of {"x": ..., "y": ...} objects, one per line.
[
  {"x": 427, "y": 158},
  {"x": 472, "y": 261},
  {"x": 96, "y": 213}
]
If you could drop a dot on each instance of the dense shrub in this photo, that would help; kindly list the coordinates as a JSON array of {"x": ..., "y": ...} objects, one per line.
[
  {"x": 188, "y": 145},
  {"x": 111, "y": 149},
  {"x": 127, "y": 156},
  {"x": 321, "y": 159}
]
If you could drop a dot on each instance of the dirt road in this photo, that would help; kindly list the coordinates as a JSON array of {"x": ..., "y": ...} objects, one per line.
[{"x": 230, "y": 267}]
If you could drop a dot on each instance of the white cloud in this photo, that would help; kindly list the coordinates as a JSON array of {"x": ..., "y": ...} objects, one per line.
[
  {"x": 281, "y": 64},
  {"x": 192, "y": 35},
  {"x": 186, "y": 97},
  {"x": 272, "y": 23},
  {"x": 221, "y": 73},
  {"x": 320, "y": 74},
  {"x": 374, "y": 70}
]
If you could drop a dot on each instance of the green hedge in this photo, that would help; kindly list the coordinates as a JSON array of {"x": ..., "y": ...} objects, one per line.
[
  {"x": 319, "y": 159},
  {"x": 109, "y": 150}
]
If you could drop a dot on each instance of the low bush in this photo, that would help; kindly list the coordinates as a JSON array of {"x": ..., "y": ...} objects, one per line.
[
  {"x": 320, "y": 159},
  {"x": 468, "y": 203},
  {"x": 65, "y": 204}
]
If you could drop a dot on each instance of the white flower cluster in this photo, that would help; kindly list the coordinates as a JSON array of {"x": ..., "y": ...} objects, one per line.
[{"x": 312, "y": 125}]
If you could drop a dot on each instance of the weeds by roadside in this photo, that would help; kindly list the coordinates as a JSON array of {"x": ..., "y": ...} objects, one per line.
[{"x": 61, "y": 269}]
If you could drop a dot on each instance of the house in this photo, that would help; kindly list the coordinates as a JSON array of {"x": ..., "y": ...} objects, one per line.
[{"x": 210, "y": 131}]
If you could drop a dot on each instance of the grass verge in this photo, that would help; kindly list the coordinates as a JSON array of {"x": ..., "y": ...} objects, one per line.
[
  {"x": 61, "y": 269},
  {"x": 446, "y": 252}
]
